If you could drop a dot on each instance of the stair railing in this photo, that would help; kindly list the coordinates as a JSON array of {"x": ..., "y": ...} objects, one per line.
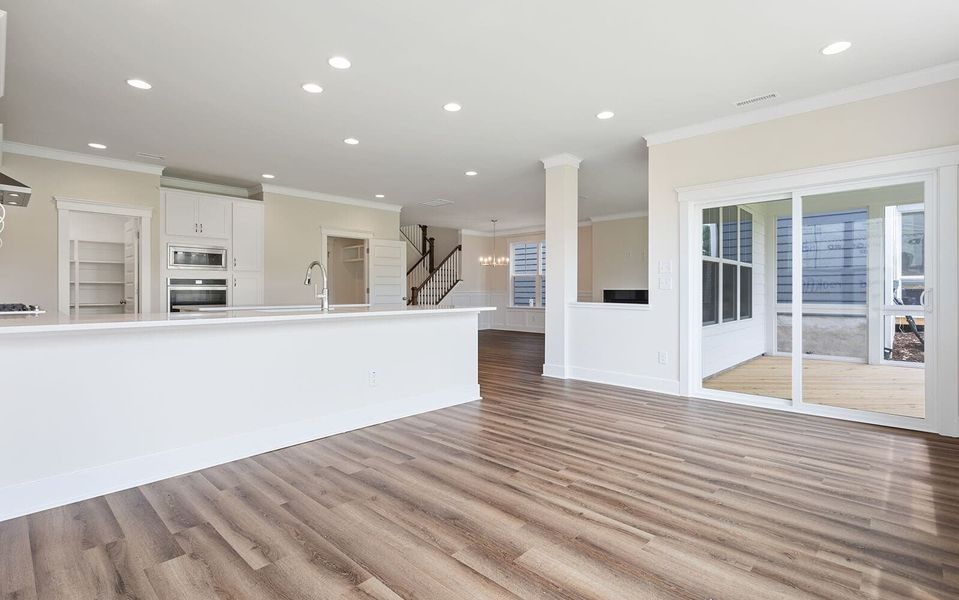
[
  {"x": 440, "y": 281},
  {"x": 412, "y": 234},
  {"x": 418, "y": 273}
]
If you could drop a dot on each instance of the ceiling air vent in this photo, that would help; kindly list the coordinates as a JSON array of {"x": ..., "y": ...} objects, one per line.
[
  {"x": 756, "y": 99},
  {"x": 437, "y": 202},
  {"x": 150, "y": 156}
]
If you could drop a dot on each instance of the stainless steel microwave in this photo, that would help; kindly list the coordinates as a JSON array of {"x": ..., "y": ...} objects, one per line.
[{"x": 191, "y": 257}]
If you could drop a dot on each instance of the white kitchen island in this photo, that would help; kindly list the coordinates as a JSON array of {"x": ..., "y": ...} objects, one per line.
[{"x": 99, "y": 404}]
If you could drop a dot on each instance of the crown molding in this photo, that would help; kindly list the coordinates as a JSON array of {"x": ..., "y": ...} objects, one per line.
[
  {"x": 636, "y": 214},
  {"x": 561, "y": 160},
  {"x": 266, "y": 188},
  {"x": 191, "y": 185},
  {"x": 517, "y": 231},
  {"x": 80, "y": 158},
  {"x": 865, "y": 91}
]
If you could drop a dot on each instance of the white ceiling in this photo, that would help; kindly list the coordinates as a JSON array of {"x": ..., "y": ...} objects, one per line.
[{"x": 531, "y": 75}]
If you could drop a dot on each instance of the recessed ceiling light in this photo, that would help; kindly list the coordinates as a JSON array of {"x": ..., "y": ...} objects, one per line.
[
  {"x": 471, "y": 173},
  {"x": 14, "y": 202},
  {"x": 14, "y": 195},
  {"x": 836, "y": 48},
  {"x": 351, "y": 141},
  {"x": 268, "y": 176},
  {"x": 381, "y": 195},
  {"x": 340, "y": 62},
  {"x": 97, "y": 146},
  {"x": 606, "y": 114},
  {"x": 139, "y": 84},
  {"x": 452, "y": 107},
  {"x": 313, "y": 88}
]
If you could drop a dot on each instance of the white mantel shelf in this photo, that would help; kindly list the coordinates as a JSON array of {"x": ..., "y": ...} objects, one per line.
[{"x": 58, "y": 322}]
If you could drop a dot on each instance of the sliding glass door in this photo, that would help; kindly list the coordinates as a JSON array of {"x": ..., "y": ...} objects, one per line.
[
  {"x": 863, "y": 315},
  {"x": 848, "y": 267}
]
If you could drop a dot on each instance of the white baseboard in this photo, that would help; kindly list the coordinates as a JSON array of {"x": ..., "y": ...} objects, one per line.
[
  {"x": 638, "y": 382},
  {"x": 32, "y": 496},
  {"x": 557, "y": 371}
]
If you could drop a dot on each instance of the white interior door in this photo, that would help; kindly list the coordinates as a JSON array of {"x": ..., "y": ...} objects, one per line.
[
  {"x": 387, "y": 272},
  {"x": 131, "y": 266}
]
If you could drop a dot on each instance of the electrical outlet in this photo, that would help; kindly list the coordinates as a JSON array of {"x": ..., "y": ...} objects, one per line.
[
  {"x": 663, "y": 357},
  {"x": 665, "y": 282},
  {"x": 372, "y": 378}
]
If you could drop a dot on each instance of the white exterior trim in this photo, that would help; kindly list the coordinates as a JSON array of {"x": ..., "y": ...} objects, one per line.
[
  {"x": 267, "y": 188},
  {"x": 80, "y": 158},
  {"x": 865, "y": 91}
]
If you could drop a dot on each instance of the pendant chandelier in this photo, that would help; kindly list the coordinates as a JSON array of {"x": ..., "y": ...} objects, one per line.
[{"x": 494, "y": 261}]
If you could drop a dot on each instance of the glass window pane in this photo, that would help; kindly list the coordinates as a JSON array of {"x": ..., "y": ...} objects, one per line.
[
  {"x": 523, "y": 259},
  {"x": 844, "y": 364},
  {"x": 711, "y": 232},
  {"x": 913, "y": 241},
  {"x": 730, "y": 284},
  {"x": 710, "y": 292},
  {"x": 524, "y": 290},
  {"x": 745, "y": 292},
  {"x": 730, "y": 237},
  {"x": 745, "y": 236},
  {"x": 835, "y": 253}
]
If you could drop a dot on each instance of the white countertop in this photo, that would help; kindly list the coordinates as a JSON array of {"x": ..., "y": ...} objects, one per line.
[{"x": 57, "y": 322}]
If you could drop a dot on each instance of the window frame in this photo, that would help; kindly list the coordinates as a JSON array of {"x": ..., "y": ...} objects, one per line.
[
  {"x": 539, "y": 277},
  {"x": 737, "y": 262}
]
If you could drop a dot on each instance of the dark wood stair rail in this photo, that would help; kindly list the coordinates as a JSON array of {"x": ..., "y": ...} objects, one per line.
[{"x": 414, "y": 296}]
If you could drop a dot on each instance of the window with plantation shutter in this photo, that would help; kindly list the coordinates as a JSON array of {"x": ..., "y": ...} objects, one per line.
[{"x": 527, "y": 274}]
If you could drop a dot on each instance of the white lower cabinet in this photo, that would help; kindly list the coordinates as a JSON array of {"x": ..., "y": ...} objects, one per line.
[{"x": 247, "y": 289}]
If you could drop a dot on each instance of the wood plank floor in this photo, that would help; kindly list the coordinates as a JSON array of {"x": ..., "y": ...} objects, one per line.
[
  {"x": 886, "y": 389},
  {"x": 545, "y": 489}
]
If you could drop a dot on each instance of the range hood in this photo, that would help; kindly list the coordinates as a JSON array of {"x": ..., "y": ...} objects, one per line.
[{"x": 12, "y": 192}]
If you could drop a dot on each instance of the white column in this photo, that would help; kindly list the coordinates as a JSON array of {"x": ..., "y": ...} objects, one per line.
[{"x": 562, "y": 215}]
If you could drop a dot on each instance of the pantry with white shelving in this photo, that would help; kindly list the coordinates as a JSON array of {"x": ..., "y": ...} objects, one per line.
[{"x": 101, "y": 258}]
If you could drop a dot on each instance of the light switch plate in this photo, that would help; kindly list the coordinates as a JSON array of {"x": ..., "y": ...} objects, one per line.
[
  {"x": 665, "y": 266},
  {"x": 665, "y": 282}
]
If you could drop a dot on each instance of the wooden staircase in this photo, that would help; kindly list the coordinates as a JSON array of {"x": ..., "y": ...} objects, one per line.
[{"x": 428, "y": 282}]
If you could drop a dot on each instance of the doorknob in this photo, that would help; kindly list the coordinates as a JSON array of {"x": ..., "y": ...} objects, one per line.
[{"x": 922, "y": 300}]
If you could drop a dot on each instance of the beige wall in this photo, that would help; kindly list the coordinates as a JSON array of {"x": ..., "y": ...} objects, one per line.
[
  {"x": 475, "y": 276},
  {"x": 584, "y": 264},
  {"x": 292, "y": 234},
  {"x": 913, "y": 120},
  {"x": 28, "y": 258},
  {"x": 620, "y": 255}
]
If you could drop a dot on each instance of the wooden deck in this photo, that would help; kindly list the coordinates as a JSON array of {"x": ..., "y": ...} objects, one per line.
[
  {"x": 545, "y": 489},
  {"x": 877, "y": 388}
]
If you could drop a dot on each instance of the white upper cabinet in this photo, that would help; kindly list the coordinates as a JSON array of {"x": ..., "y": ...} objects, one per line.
[
  {"x": 213, "y": 216},
  {"x": 194, "y": 215},
  {"x": 180, "y": 215},
  {"x": 247, "y": 236}
]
